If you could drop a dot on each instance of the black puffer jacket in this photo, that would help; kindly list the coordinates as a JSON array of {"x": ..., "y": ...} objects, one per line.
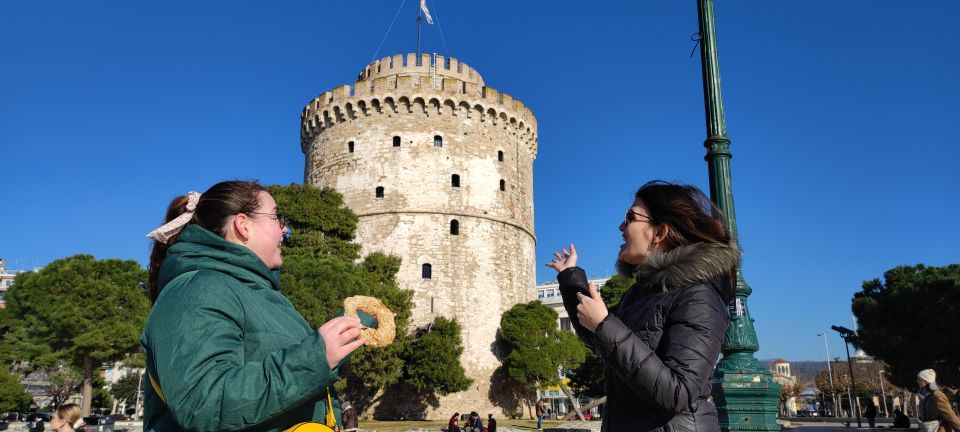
[{"x": 661, "y": 342}]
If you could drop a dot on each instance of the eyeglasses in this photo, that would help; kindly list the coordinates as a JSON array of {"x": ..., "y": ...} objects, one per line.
[
  {"x": 279, "y": 217},
  {"x": 631, "y": 216}
]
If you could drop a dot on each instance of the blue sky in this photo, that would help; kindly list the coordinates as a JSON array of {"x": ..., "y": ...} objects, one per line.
[{"x": 845, "y": 163}]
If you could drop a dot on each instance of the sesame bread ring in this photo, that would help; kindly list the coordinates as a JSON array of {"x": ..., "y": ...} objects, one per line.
[{"x": 386, "y": 330}]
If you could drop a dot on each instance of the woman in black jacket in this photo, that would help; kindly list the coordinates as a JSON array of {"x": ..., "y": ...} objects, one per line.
[{"x": 660, "y": 343}]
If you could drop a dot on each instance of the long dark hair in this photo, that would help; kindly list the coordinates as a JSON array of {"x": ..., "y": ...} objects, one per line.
[
  {"x": 691, "y": 217},
  {"x": 215, "y": 206}
]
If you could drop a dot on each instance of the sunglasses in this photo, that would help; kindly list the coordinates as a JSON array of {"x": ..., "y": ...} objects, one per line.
[{"x": 632, "y": 216}]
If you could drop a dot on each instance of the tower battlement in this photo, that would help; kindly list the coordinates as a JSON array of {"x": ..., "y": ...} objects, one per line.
[{"x": 426, "y": 64}]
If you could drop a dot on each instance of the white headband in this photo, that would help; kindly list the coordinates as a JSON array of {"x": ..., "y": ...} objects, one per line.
[{"x": 172, "y": 228}]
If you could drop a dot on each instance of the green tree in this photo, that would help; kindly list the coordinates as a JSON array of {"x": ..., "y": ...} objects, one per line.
[
  {"x": 13, "y": 397},
  {"x": 909, "y": 322},
  {"x": 125, "y": 389},
  {"x": 587, "y": 380},
  {"x": 77, "y": 311},
  {"x": 535, "y": 350},
  {"x": 321, "y": 269},
  {"x": 433, "y": 359}
]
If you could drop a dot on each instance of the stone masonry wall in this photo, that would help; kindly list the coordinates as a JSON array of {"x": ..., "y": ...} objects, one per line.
[{"x": 489, "y": 265}]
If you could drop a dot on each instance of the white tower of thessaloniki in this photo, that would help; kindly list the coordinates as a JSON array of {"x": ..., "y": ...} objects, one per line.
[{"x": 439, "y": 169}]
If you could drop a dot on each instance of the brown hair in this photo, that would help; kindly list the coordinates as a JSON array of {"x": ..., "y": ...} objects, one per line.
[
  {"x": 69, "y": 413},
  {"x": 690, "y": 216},
  {"x": 215, "y": 206}
]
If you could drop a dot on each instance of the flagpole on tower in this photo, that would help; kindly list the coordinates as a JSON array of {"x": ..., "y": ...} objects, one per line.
[{"x": 419, "y": 25}]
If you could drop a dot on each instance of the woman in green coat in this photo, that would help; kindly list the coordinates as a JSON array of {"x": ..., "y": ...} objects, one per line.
[{"x": 225, "y": 349}]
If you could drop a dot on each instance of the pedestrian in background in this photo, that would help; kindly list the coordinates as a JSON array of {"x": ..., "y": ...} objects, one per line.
[
  {"x": 540, "y": 413},
  {"x": 936, "y": 414},
  {"x": 661, "y": 341},
  {"x": 871, "y": 414}
]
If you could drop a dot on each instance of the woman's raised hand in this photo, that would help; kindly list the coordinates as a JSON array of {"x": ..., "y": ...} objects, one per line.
[
  {"x": 564, "y": 259},
  {"x": 340, "y": 337}
]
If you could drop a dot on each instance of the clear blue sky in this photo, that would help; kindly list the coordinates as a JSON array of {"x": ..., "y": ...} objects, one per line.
[{"x": 845, "y": 161}]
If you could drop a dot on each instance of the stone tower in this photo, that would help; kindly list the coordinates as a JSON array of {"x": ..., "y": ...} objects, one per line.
[{"x": 439, "y": 169}]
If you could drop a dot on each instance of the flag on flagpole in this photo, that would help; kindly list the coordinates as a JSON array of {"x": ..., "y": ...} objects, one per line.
[{"x": 426, "y": 12}]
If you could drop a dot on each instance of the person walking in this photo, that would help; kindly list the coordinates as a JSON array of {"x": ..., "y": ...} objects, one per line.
[
  {"x": 936, "y": 414},
  {"x": 871, "y": 414},
  {"x": 225, "y": 349},
  {"x": 491, "y": 423},
  {"x": 540, "y": 413},
  {"x": 661, "y": 341}
]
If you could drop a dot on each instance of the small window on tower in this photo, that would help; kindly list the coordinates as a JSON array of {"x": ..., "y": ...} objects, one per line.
[
  {"x": 503, "y": 185},
  {"x": 500, "y": 155},
  {"x": 379, "y": 191},
  {"x": 350, "y": 146},
  {"x": 455, "y": 180},
  {"x": 437, "y": 141},
  {"x": 396, "y": 141},
  {"x": 454, "y": 227},
  {"x": 426, "y": 271}
]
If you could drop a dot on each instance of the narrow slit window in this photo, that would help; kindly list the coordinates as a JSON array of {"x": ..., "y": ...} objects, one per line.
[
  {"x": 500, "y": 155},
  {"x": 426, "y": 271},
  {"x": 454, "y": 227},
  {"x": 350, "y": 146},
  {"x": 503, "y": 185},
  {"x": 437, "y": 141},
  {"x": 396, "y": 141},
  {"x": 379, "y": 191},
  {"x": 455, "y": 180}
]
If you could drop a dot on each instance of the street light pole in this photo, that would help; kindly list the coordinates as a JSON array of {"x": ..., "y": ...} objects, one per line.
[
  {"x": 833, "y": 395},
  {"x": 744, "y": 391},
  {"x": 846, "y": 333},
  {"x": 883, "y": 394}
]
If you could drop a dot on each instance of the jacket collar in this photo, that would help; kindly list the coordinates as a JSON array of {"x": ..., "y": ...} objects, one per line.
[
  {"x": 200, "y": 249},
  {"x": 687, "y": 265}
]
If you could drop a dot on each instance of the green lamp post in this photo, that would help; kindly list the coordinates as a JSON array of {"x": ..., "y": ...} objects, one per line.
[{"x": 744, "y": 391}]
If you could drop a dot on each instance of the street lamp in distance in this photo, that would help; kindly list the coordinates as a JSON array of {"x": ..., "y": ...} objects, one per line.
[{"x": 846, "y": 334}]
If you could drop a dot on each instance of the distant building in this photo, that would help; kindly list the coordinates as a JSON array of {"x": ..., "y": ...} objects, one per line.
[
  {"x": 549, "y": 294},
  {"x": 780, "y": 369},
  {"x": 6, "y": 280}
]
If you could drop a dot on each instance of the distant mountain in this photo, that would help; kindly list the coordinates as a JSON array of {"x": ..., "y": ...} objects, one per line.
[{"x": 805, "y": 368}]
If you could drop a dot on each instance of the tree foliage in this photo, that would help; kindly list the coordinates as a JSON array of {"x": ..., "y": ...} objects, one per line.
[
  {"x": 910, "y": 322},
  {"x": 535, "y": 349},
  {"x": 13, "y": 397},
  {"x": 125, "y": 389},
  {"x": 322, "y": 267},
  {"x": 433, "y": 359},
  {"x": 76, "y": 311}
]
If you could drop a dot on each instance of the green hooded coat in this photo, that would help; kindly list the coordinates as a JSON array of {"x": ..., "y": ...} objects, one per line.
[{"x": 228, "y": 350}]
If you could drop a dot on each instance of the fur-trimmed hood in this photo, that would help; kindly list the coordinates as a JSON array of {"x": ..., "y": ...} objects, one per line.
[{"x": 685, "y": 266}]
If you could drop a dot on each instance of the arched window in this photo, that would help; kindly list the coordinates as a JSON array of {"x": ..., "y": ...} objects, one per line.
[
  {"x": 426, "y": 271},
  {"x": 454, "y": 227},
  {"x": 503, "y": 185},
  {"x": 350, "y": 146},
  {"x": 379, "y": 191},
  {"x": 500, "y": 155},
  {"x": 455, "y": 180},
  {"x": 396, "y": 141},
  {"x": 437, "y": 141}
]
